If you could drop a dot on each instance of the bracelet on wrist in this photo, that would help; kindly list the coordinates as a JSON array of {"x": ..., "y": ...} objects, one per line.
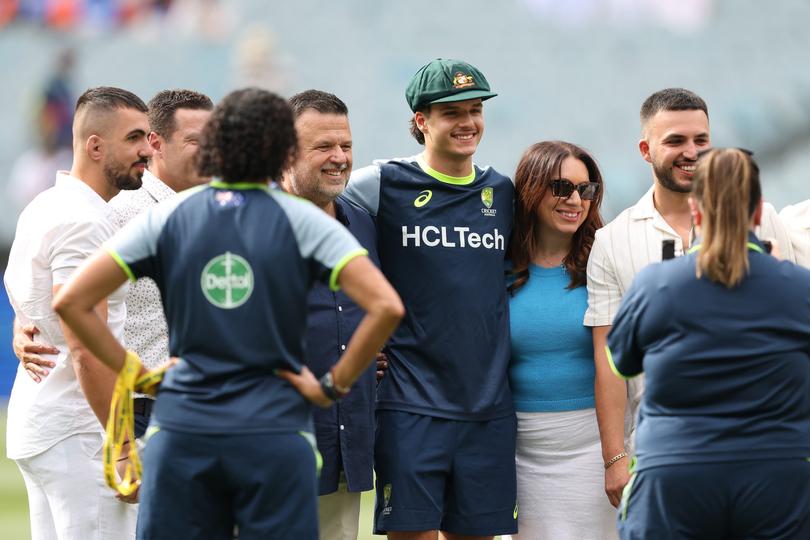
[{"x": 614, "y": 459}]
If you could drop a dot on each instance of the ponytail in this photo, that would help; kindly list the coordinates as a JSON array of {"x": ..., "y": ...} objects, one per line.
[{"x": 726, "y": 186}]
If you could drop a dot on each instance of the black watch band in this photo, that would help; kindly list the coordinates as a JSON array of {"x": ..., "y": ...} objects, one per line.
[{"x": 329, "y": 388}]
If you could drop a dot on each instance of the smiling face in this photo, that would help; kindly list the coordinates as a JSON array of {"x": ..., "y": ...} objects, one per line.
[
  {"x": 452, "y": 130},
  {"x": 324, "y": 160},
  {"x": 562, "y": 217},
  {"x": 175, "y": 158},
  {"x": 672, "y": 141},
  {"x": 126, "y": 149}
]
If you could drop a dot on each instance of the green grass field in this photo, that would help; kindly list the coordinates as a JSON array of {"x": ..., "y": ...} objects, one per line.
[{"x": 14, "y": 502}]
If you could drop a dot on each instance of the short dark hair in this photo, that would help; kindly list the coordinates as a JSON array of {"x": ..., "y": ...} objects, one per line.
[
  {"x": 249, "y": 138},
  {"x": 416, "y": 133},
  {"x": 108, "y": 98},
  {"x": 318, "y": 100},
  {"x": 672, "y": 99},
  {"x": 166, "y": 102}
]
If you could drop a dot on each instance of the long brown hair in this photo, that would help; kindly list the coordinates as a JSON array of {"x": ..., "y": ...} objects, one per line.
[
  {"x": 727, "y": 189},
  {"x": 540, "y": 164}
]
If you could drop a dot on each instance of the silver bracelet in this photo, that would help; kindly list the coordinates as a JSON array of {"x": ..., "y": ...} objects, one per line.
[{"x": 614, "y": 459}]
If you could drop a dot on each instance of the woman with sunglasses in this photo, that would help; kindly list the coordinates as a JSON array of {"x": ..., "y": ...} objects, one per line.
[
  {"x": 723, "y": 336},
  {"x": 559, "y": 461}
]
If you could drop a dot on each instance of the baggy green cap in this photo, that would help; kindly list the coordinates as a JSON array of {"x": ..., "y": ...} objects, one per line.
[{"x": 443, "y": 80}]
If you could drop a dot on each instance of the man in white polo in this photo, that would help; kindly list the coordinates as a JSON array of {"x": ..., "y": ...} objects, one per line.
[
  {"x": 796, "y": 219},
  {"x": 55, "y": 428},
  {"x": 675, "y": 128}
]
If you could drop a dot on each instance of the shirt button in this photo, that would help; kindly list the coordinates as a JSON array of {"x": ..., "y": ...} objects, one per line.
[
  {"x": 343, "y": 347},
  {"x": 341, "y": 427},
  {"x": 340, "y": 308}
]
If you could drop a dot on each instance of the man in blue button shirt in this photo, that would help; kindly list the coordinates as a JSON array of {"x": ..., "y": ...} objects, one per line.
[{"x": 345, "y": 432}]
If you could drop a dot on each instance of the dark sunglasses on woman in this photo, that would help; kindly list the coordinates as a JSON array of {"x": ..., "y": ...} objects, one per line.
[{"x": 564, "y": 188}]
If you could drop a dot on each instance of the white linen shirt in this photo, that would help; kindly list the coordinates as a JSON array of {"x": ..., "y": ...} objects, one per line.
[
  {"x": 796, "y": 219},
  {"x": 145, "y": 330},
  {"x": 56, "y": 232},
  {"x": 626, "y": 245}
]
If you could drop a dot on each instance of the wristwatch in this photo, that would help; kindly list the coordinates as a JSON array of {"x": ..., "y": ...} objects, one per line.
[{"x": 332, "y": 391}]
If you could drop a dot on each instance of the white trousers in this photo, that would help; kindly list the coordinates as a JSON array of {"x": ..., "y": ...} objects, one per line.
[
  {"x": 339, "y": 514},
  {"x": 67, "y": 496},
  {"x": 560, "y": 478}
]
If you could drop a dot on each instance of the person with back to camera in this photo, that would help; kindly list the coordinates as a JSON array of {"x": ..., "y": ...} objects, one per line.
[
  {"x": 558, "y": 191},
  {"x": 723, "y": 336},
  {"x": 230, "y": 443}
]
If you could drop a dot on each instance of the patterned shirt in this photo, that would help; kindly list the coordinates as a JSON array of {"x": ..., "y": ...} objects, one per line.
[{"x": 145, "y": 330}]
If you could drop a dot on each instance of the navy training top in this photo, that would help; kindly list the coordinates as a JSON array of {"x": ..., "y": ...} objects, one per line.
[
  {"x": 727, "y": 371},
  {"x": 234, "y": 263},
  {"x": 442, "y": 242},
  {"x": 344, "y": 431}
]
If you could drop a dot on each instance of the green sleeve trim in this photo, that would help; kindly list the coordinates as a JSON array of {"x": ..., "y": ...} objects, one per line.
[
  {"x": 446, "y": 178},
  {"x": 318, "y": 457},
  {"x": 124, "y": 266},
  {"x": 238, "y": 186},
  {"x": 333, "y": 278},
  {"x": 613, "y": 367}
]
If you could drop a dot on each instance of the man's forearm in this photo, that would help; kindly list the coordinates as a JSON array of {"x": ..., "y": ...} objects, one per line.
[
  {"x": 96, "y": 380},
  {"x": 610, "y": 396}
]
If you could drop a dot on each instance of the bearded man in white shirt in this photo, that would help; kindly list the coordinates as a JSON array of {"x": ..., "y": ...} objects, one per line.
[
  {"x": 176, "y": 118},
  {"x": 55, "y": 425}
]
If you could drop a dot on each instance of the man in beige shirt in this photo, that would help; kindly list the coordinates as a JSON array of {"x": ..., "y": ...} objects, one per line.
[{"x": 675, "y": 128}]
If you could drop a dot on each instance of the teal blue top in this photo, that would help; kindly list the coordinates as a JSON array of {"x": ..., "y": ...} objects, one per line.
[{"x": 551, "y": 367}]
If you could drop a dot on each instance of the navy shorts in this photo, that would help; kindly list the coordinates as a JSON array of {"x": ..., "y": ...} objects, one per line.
[
  {"x": 198, "y": 486},
  {"x": 450, "y": 475},
  {"x": 765, "y": 499}
]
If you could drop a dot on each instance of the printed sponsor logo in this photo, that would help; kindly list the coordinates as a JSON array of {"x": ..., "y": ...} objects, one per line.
[
  {"x": 451, "y": 237},
  {"x": 227, "y": 281},
  {"x": 423, "y": 198}
]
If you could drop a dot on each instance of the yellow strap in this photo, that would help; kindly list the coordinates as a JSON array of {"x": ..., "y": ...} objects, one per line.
[{"x": 121, "y": 422}]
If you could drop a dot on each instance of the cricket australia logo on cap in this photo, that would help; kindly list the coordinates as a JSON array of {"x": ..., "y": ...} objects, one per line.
[
  {"x": 463, "y": 80},
  {"x": 227, "y": 281},
  {"x": 488, "y": 198}
]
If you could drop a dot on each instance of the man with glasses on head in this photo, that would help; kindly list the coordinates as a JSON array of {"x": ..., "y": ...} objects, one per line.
[
  {"x": 445, "y": 441},
  {"x": 675, "y": 129}
]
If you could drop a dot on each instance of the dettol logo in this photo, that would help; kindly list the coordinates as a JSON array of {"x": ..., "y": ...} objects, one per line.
[{"x": 227, "y": 281}]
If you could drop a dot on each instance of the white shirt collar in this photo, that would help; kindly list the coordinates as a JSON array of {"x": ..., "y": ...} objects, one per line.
[{"x": 65, "y": 181}]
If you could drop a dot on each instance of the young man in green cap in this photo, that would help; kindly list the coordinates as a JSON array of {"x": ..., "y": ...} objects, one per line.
[{"x": 445, "y": 441}]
